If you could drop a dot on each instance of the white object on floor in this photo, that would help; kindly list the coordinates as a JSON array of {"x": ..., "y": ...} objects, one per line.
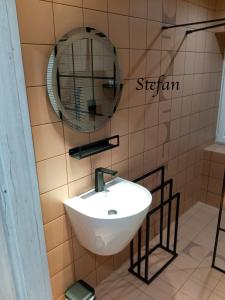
[{"x": 105, "y": 222}]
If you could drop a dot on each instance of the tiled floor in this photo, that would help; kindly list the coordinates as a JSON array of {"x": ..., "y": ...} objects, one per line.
[{"x": 190, "y": 276}]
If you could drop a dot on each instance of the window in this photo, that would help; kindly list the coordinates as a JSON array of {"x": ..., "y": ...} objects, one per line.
[{"x": 220, "y": 133}]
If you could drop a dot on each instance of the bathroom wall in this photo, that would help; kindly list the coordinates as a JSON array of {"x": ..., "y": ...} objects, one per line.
[
  {"x": 169, "y": 129},
  {"x": 213, "y": 172},
  {"x": 220, "y": 8}
]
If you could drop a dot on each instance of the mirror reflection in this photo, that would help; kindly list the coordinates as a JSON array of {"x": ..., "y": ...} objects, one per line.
[{"x": 83, "y": 79}]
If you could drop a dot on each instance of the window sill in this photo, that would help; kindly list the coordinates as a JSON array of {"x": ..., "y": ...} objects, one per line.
[{"x": 217, "y": 148}]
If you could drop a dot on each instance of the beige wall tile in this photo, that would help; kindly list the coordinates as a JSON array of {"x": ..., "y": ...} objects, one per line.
[
  {"x": 124, "y": 61},
  {"x": 100, "y": 133},
  {"x": 69, "y": 2},
  {"x": 151, "y": 93},
  {"x": 186, "y": 106},
  {"x": 163, "y": 154},
  {"x": 164, "y": 111},
  {"x": 169, "y": 10},
  {"x": 153, "y": 63},
  {"x": 138, "y": 63},
  {"x": 103, "y": 159},
  {"x": 118, "y": 6},
  {"x": 215, "y": 185},
  {"x": 154, "y": 40},
  {"x": 80, "y": 186},
  {"x": 218, "y": 158},
  {"x": 174, "y": 129},
  {"x": 122, "y": 169},
  {"x": 62, "y": 280},
  {"x": 35, "y": 60},
  {"x": 136, "y": 97},
  {"x": 151, "y": 114},
  {"x": 151, "y": 137},
  {"x": 136, "y": 118},
  {"x": 150, "y": 159},
  {"x": 57, "y": 232},
  {"x": 48, "y": 140},
  {"x": 40, "y": 108},
  {"x": 78, "y": 249},
  {"x": 178, "y": 82},
  {"x": 216, "y": 170},
  {"x": 119, "y": 30},
  {"x": 174, "y": 148},
  {"x": 176, "y": 108},
  {"x": 163, "y": 134},
  {"x": 95, "y": 4},
  {"x": 184, "y": 125},
  {"x": 105, "y": 269},
  {"x": 189, "y": 62},
  {"x": 213, "y": 199},
  {"x": 84, "y": 265},
  {"x": 179, "y": 61},
  {"x": 52, "y": 173},
  {"x": 33, "y": 28},
  {"x": 74, "y": 138},
  {"x": 120, "y": 123},
  {"x": 167, "y": 62},
  {"x": 136, "y": 166},
  {"x": 138, "y": 29},
  {"x": 78, "y": 168},
  {"x": 139, "y": 9},
  {"x": 96, "y": 19},
  {"x": 120, "y": 153},
  {"x": 60, "y": 257},
  {"x": 136, "y": 143},
  {"x": 66, "y": 18},
  {"x": 91, "y": 279},
  {"x": 182, "y": 12},
  {"x": 52, "y": 204},
  {"x": 155, "y": 10},
  {"x": 168, "y": 39}
]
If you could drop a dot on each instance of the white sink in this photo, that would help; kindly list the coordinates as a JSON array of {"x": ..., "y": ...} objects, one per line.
[{"x": 105, "y": 222}]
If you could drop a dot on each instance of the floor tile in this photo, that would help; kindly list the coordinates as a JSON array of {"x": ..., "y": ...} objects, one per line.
[
  {"x": 194, "y": 289},
  {"x": 181, "y": 296},
  {"x": 175, "y": 278},
  {"x": 188, "y": 277},
  {"x": 213, "y": 296}
]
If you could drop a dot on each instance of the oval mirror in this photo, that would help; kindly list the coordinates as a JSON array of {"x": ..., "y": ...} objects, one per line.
[{"x": 83, "y": 79}]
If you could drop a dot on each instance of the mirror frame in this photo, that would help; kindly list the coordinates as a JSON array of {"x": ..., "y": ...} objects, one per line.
[{"x": 52, "y": 80}]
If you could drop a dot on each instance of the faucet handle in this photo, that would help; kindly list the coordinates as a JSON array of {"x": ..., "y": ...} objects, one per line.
[
  {"x": 99, "y": 178},
  {"x": 106, "y": 171}
]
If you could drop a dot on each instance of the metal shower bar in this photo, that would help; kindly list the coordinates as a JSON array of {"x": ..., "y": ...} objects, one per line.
[
  {"x": 204, "y": 28},
  {"x": 194, "y": 23}
]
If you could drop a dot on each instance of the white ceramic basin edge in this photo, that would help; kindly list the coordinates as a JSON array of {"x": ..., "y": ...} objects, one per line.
[{"x": 105, "y": 222}]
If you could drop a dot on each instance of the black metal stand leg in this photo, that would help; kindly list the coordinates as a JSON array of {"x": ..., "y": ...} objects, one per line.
[
  {"x": 136, "y": 264},
  {"x": 161, "y": 208},
  {"x": 169, "y": 214},
  {"x": 218, "y": 229}
]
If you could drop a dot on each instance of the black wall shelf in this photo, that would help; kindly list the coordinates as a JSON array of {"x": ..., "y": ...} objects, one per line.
[{"x": 95, "y": 147}]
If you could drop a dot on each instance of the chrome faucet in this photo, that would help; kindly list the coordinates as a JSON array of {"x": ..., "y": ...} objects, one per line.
[{"x": 99, "y": 178}]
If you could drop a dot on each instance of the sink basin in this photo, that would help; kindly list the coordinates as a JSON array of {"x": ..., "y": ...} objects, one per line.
[{"x": 105, "y": 222}]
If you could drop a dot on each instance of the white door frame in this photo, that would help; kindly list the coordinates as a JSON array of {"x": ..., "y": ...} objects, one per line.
[{"x": 23, "y": 262}]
